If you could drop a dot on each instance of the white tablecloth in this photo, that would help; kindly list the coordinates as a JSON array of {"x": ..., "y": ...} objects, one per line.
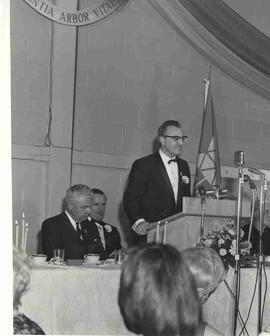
[
  {"x": 75, "y": 300},
  {"x": 81, "y": 300},
  {"x": 219, "y": 308}
]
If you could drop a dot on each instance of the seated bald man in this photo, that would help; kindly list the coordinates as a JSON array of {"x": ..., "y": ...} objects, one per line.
[
  {"x": 67, "y": 230},
  {"x": 102, "y": 237}
]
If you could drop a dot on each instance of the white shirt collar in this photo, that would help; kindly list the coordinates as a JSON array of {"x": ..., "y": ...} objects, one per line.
[
  {"x": 72, "y": 221},
  {"x": 165, "y": 158}
]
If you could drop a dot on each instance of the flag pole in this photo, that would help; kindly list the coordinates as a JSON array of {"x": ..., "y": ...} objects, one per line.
[{"x": 202, "y": 190}]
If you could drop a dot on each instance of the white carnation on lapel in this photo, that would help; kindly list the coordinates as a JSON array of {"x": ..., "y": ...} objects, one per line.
[
  {"x": 108, "y": 228},
  {"x": 185, "y": 179}
]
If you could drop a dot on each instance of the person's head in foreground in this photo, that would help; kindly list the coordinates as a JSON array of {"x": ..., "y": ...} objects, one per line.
[
  {"x": 157, "y": 294},
  {"x": 206, "y": 267},
  {"x": 21, "y": 277}
]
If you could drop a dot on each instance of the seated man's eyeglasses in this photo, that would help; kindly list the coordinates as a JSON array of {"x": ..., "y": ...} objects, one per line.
[{"x": 176, "y": 138}]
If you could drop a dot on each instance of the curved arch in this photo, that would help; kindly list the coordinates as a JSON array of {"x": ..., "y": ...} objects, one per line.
[{"x": 223, "y": 37}]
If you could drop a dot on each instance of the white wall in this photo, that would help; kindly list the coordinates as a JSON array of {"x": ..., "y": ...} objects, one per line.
[
  {"x": 5, "y": 171},
  {"x": 133, "y": 72}
]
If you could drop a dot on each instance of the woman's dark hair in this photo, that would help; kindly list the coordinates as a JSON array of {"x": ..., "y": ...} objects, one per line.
[{"x": 157, "y": 294}]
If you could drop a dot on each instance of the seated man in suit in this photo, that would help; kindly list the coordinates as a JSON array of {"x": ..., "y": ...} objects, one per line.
[
  {"x": 102, "y": 237},
  {"x": 66, "y": 230}
]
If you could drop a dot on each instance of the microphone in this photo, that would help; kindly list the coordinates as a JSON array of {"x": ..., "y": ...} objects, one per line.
[
  {"x": 251, "y": 183},
  {"x": 210, "y": 192},
  {"x": 239, "y": 158},
  {"x": 202, "y": 193}
]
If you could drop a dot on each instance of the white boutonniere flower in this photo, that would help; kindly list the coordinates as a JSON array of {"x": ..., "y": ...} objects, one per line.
[
  {"x": 108, "y": 228},
  {"x": 185, "y": 179}
]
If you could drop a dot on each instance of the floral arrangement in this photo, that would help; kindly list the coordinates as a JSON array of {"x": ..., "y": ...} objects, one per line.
[{"x": 223, "y": 241}]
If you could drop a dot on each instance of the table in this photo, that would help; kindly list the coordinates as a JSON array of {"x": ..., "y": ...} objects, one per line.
[
  {"x": 219, "y": 308},
  {"x": 81, "y": 300},
  {"x": 75, "y": 300}
]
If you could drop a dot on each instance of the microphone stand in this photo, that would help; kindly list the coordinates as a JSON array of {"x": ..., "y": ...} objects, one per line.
[
  {"x": 263, "y": 189},
  {"x": 237, "y": 254},
  {"x": 203, "y": 207}
]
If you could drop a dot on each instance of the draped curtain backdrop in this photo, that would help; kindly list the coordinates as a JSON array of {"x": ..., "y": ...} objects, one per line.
[{"x": 223, "y": 37}]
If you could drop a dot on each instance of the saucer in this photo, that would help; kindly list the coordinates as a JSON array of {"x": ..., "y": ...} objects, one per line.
[
  {"x": 57, "y": 263},
  {"x": 109, "y": 261},
  {"x": 85, "y": 262},
  {"x": 45, "y": 263}
]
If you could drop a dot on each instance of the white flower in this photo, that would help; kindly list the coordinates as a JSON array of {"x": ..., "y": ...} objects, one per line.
[
  {"x": 231, "y": 232},
  {"x": 222, "y": 252},
  {"x": 108, "y": 228},
  {"x": 221, "y": 241},
  {"x": 245, "y": 247},
  {"x": 185, "y": 179},
  {"x": 232, "y": 250},
  {"x": 208, "y": 242}
]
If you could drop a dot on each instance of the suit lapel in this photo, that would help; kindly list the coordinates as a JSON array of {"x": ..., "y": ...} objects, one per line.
[
  {"x": 180, "y": 174},
  {"x": 69, "y": 227},
  {"x": 165, "y": 178}
]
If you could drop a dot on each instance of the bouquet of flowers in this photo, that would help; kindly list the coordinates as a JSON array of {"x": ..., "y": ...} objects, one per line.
[{"x": 223, "y": 241}]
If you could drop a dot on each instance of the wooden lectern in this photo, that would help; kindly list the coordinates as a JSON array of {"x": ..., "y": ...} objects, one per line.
[{"x": 183, "y": 230}]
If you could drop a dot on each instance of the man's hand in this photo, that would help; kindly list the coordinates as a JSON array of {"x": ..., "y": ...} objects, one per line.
[{"x": 141, "y": 228}]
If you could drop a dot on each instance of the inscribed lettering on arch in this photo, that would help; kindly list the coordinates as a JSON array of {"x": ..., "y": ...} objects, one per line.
[{"x": 92, "y": 14}]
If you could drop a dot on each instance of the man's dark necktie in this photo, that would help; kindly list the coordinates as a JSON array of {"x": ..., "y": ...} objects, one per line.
[
  {"x": 172, "y": 160},
  {"x": 78, "y": 230}
]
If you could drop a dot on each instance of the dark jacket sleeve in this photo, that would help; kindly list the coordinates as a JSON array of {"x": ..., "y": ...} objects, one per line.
[
  {"x": 134, "y": 192},
  {"x": 51, "y": 237},
  {"x": 113, "y": 241}
]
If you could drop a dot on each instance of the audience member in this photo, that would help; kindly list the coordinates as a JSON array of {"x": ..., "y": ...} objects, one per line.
[
  {"x": 158, "y": 182},
  {"x": 68, "y": 230},
  {"x": 208, "y": 271},
  {"x": 157, "y": 294},
  {"x": 21, "y": 278},
  {"x": 103, "y": 238}
]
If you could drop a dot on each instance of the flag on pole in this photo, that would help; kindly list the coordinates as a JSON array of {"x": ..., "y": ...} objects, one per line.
[{"x": 207, "y": 172}]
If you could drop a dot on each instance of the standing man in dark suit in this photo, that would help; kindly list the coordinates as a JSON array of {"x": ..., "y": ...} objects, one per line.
[
  {"x": 67, "y": 230},
  {"x": 158, "y": 182},
  {"x": 102, "y": 237}
]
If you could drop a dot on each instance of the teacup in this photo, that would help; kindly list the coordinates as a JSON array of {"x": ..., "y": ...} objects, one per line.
[
  {"x": 39, "y": 259},
  {"x": 91, "y": 258}
]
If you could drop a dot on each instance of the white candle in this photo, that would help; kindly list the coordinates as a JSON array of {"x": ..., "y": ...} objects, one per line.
[
  {"x": 22, "y": 200},
  {"x": 165, "y": 233},
  {"x": 157, "y": 233},
  {"x": 23, "y": 232},
  {"x": 16, "y": 233},
  {"x": 25, "y": 237}
]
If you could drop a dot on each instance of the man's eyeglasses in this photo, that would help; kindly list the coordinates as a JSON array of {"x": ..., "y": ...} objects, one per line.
[{"x": 176, "y": 138}]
